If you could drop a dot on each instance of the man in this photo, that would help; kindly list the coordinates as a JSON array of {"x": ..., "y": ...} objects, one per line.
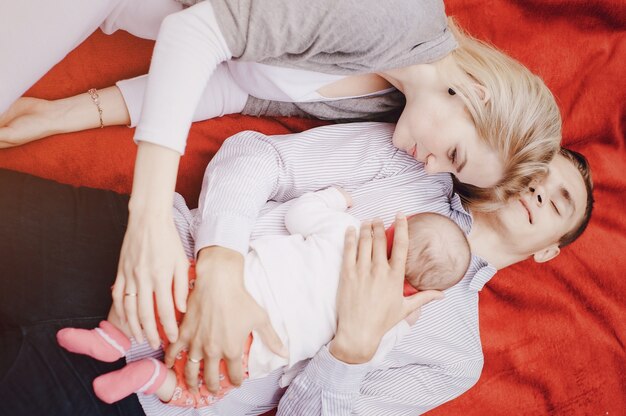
[
  {"x": 242, "y": 197},
  {"x": 442, "y": 357}
]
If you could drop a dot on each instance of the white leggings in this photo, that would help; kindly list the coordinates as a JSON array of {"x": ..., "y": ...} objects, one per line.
[{"x": 36, "y": 34}]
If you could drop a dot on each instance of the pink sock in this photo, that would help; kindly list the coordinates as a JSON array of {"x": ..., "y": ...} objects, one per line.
[
  {"x": 105, "y": 343},
  {"x": 143, "y": 376}
]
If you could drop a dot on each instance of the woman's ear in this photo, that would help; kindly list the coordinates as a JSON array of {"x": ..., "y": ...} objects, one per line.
[
  {"x": 547, "y": 253},
  {"x": 483, "y": 93}
]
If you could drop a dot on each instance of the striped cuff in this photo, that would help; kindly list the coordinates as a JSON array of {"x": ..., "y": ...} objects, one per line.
[
  {"x": 333, "y": 375},
  {"x": 231, "y": 232}
]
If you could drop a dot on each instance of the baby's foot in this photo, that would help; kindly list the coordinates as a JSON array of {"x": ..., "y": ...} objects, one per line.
[
  {"x": 105, "y": 343},
  {"x": 143, "y": 376}
]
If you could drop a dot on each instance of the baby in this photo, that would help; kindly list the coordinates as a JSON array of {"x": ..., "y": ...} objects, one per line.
[{"x": 295, "y": 279}]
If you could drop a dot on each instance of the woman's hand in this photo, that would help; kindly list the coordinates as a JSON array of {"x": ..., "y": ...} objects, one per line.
[
  {"x": 221, "y": 315},
  {"x": 28, "y": 119},
  {"x": 370, "y": 298},
  {"x": 152, "y": 255}
]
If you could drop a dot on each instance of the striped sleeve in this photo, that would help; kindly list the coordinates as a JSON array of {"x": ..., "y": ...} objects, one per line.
[
  {"x": 327, "y": 386},
  {"x": 330, "y": 387},
  {"x": 251, "y": 169}
]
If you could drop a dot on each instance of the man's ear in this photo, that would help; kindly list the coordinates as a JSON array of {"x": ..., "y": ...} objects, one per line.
[
  {"x": 547, "y": 253},
  {"x": 483, "y": 93}
]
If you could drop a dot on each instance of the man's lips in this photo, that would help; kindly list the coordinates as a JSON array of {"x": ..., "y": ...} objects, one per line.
[{"x": 530, "y": 215}]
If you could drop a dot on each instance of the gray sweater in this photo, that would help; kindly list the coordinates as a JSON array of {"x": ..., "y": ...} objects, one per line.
[{"x": 341, "y": 37}]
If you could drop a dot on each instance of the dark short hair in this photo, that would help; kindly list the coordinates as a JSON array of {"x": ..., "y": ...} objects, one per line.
[{"x": 582, "y": 164}]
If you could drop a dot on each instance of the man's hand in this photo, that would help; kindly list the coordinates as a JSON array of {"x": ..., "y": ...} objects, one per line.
[
  {"x": 370, "y": 299},
  {"x": 221, "y": 314}
]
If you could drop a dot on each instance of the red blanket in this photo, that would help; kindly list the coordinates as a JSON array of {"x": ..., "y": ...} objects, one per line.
[{"x": 553, "y": 334}]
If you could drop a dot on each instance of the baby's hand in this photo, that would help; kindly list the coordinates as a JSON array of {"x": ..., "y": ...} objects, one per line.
[{"x": 345, "y": 194}]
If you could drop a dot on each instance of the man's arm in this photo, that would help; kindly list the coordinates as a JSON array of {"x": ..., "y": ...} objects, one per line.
[
  {"x": 438, "y": 360},
  {"x": 328, "y": 386},
  {"x": 251, "y": 169}
]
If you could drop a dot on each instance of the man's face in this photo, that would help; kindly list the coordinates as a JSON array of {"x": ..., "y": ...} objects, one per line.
[{"x": 535, "y": 221}]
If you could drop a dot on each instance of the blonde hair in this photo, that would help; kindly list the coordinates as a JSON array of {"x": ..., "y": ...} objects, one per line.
[{"x": 519, "y": 118}]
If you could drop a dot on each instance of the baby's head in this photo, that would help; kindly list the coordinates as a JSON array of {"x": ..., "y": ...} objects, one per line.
[{"x": 439, "y": 253}]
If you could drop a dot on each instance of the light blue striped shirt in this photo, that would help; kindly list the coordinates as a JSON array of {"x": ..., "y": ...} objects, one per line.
[{"x": 245, "y": 195}]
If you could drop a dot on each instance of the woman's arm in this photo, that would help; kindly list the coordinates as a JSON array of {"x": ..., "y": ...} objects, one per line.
[
  {"x": 188, "y": 49},
  {"x": 152, "y": 253}
]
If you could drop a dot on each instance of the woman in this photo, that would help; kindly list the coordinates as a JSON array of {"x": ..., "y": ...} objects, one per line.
[{"x": 469, "y": 110}]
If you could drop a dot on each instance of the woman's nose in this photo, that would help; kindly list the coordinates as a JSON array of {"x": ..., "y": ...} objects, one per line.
[{"x": 538, "y": 192}]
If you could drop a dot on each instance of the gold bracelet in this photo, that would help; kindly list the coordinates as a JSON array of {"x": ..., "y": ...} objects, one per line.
[{"x": 96, "y": 100}]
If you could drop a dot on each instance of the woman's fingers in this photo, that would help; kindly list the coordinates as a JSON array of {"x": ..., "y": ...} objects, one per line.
[
  {"x": 192, "y": 368},
  {"x": 117, "y": 292},
  {"x": 145, "y": 305},
  {"x": 234, "y": 367},
  {"x": 271, "y": 339},
  {"x": 172, "y": 351},
  {"x": 130, "y": 309},
  {"x": 400, "y": 246},
  {"x": 167, "y": 314},
  {"x": 212, "y": 371},
  {"x": 181, "y": 285}
]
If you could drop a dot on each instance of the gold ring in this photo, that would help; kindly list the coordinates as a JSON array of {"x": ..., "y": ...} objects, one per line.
[
  {"x": 193, "y": 360},
  {"x": 130, "y": 294}
]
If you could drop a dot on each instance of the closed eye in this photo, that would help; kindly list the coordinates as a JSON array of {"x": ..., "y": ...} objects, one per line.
[
  {"x": 556, "y": 209},
  {"x": 452, "y": 156}
]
